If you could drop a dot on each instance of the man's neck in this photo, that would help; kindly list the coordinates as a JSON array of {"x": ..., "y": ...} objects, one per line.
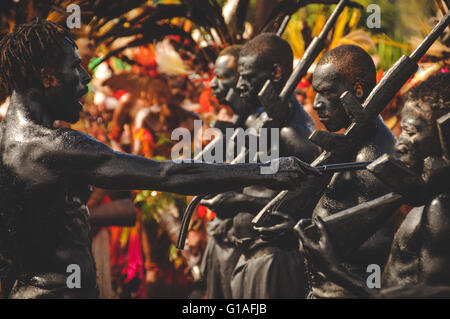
[{"x": 29, "y": 105}]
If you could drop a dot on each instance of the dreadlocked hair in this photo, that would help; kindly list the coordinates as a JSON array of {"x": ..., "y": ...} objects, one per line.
[
  {"x": 26, "y": 50},
  {"x": 434, "y": 92}
]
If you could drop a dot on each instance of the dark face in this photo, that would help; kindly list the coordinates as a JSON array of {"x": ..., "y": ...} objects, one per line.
[
  {"x": 418, "y": 140},
  {"x": 67, "y": 86},
  {"x": 252, "y": 77},
  {"x": 329, "y": 86},
  {"x": 225, "y": 77}
]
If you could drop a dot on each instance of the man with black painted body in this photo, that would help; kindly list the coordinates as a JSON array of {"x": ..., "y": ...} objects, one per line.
[
  {"x": 419, "y": 258},
  {"x": 221, "y": 255},
  {"x": 350, "y": 68},
  {"x": 44, "y": 171},
  {"x": 345, "y": 68},
  {"x": 266, "y": 267},
  {"x": 225, "y": 79}
]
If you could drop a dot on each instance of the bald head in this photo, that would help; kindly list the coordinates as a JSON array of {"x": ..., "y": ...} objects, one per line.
[
  {"x": 233, "y": 51},
  {"x": 265, "y": 57},
  {"x": 353, "y": 64},
  {"x": 225, "y": 72},
  {"x": 345, "y": 68},
  {"x": 270, "y": 49}
]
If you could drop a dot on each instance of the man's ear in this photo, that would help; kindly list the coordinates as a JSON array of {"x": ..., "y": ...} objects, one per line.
[
  {"x": 276, "y": 75},
  {"x": 48, "y": 78},
  {"x": 359, "y": 91}
]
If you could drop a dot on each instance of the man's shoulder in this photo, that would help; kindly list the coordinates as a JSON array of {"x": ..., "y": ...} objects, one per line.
[
  {"x": 25, "y": 135},
  {"x": 383, "y": 142},
  {"x": 299, "y": 121},
  {"x": 440, "y": 202},
  {"x": 369, "y": 152},
  {"x": 409, "y": 229},
  {"x": 71, "y": 137},
  {"x": 52, "y": 137},
  {"x": 437, "y": 219},
  {"x": 72, "y": 143},
  {"x": 44, "y": 142}
]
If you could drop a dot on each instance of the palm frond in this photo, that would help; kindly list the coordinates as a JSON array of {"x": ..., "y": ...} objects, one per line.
[
  {"x": 149, "y": 33},
  {"x": 289, "y": 7}
]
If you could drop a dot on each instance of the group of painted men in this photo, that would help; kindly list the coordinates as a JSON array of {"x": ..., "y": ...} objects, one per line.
[
  {"x": 274, "y": 260},
  {"x": 45, "y": 173}
]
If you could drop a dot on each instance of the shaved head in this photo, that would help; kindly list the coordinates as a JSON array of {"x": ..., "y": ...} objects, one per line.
[
  {"x": 353, "y": 64},
  {"x": 270, "y": 49}
]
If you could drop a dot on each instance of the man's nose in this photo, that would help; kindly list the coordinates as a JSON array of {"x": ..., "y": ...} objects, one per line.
[
  {"x": 318, "y": 104},
  {"x": 85, "y": 77}
]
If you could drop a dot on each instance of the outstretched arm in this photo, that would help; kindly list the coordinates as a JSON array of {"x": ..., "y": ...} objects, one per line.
[{"x": 76, "y": 155}]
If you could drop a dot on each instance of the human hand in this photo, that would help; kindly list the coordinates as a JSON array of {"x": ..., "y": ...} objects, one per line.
[
  {"x": 282, "y": 225},
  {"x": 320, "y": 253},
  {"x": 216, "y": 203}
]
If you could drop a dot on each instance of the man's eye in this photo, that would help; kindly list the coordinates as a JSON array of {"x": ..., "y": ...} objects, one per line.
[{"x": 410, "y": 131}]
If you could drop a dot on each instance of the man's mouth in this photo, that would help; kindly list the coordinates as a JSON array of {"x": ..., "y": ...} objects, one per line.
[
  {"x": 83, "y": 93},
  {"x": 401, "y": 149},
  {"x": 324, "y": 118}
]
